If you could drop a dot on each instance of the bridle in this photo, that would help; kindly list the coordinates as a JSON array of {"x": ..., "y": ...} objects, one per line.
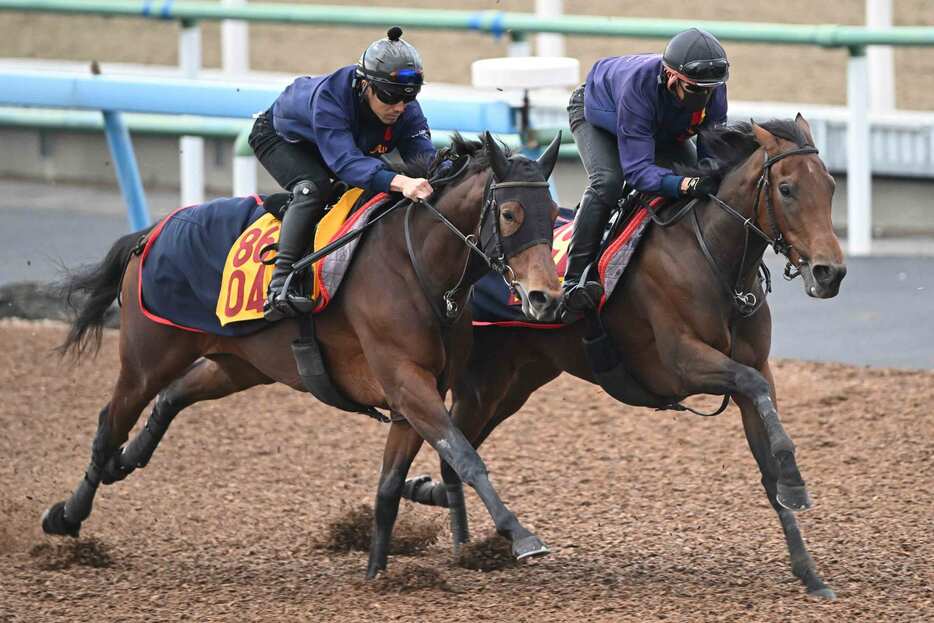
[
  {"x": 486, "y": 242},
  {"x": 744, "y": 302},
  {"x": 764, "y": 187}
]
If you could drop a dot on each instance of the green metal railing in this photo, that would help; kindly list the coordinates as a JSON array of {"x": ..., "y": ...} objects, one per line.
[{"x": 493, "y": 22}]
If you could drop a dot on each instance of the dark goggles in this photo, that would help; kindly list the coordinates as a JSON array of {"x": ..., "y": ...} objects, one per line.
[
  {"x": 706, "y": 72},
  {"x": 390, "y": 96},
  {"x": 694, "y": 88}
]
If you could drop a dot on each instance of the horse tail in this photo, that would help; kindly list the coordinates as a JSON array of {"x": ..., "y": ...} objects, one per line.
[{"x": 89, "y": 292}]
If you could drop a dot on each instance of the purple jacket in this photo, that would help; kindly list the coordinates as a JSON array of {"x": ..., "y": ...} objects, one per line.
[
  {"x": 624, "y": 95},
  {"x": 326, "y": 112}
]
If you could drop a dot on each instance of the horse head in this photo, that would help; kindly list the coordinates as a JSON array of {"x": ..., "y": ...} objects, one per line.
[
  {"x": 518, "y": 230},
  {"x": 794, "y": 206}
]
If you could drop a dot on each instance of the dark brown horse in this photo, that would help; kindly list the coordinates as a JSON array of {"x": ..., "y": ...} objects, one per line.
[
  {"x": 387, "y": 338},
  {"x": 688, "y": 318}
]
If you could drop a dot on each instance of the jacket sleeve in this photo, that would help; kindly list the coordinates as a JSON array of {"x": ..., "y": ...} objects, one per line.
[
  {"x": 416, "y": 139},
  {"x": 336, "y": 143},
  {"x": 636, "y": 140}
]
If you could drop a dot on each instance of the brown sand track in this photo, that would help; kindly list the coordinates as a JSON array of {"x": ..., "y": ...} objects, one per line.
[{"x": 650, "y": 516}]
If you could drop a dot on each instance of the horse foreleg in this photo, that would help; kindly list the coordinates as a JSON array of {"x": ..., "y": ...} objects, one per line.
[
  {"x": 469, "y": 416},
  {"x": 802, "y": 565},
  {"x": 414, "y": 394},
  {"x": 481, "y": 403},
  {"x": 402, "y": 444},
  {"x": 705, "y": 370}
]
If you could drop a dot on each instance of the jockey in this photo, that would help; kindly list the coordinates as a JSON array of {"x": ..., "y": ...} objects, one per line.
[
  {"x": 632, "y": 120},
  {"x": 336, "y": 127}
]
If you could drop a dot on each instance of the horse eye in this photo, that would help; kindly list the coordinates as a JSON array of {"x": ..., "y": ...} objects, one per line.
[
  {"x": 509, "y": 216},
  {"x": 785, "y": 190}
]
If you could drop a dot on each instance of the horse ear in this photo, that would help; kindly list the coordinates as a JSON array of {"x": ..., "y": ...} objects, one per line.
[
  {"x": 805, "y": 127},
  {"x": 548, "y": 159},
  {"x": 764, "y": 137},
  {"x": 497, "y": 157}
]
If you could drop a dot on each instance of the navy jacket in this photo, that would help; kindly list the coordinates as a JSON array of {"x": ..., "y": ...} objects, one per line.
[
  {"x": 325, "y": 111},
  {"x": 623, "y": 95}
]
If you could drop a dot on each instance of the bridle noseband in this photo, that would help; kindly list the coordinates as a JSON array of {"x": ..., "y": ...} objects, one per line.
[{"x": 486, "y": 242}]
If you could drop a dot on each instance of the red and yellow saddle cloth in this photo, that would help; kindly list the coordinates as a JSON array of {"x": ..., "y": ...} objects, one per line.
[
  {"x": 494, "y": 304},
  {"x": 201, "y": 268},
  {"x": 246, "y": 278}
]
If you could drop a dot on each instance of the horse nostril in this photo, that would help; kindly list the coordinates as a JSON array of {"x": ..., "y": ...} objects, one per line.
[
  {"x": 828, "y": 274},
  {"x": 537, "y": 298}
]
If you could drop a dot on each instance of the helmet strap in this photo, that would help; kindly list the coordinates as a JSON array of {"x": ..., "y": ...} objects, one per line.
[{"x": 360, "y": 87}]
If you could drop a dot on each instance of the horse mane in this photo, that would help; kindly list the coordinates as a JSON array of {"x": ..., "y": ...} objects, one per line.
[
  {"x": 459, "y": 149},
  {"x": 728, "y": 146}
]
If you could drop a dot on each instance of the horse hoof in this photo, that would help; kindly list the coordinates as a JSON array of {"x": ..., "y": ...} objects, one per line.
[
  {"x": 793, "y": 497},
  {"x": 529, "y": 547},
  {"x": 823, "y": 593},
  {"x": 55, "y": 522}
]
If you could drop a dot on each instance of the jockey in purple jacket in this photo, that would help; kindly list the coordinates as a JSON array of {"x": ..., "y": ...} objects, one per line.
[
  {"x": 632, "y": 120},
  {"x": 336, "y": 127}
]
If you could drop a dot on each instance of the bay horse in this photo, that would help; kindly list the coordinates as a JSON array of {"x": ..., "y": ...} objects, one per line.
[
  {"x": 388, "y": 338},
  {"x": 689, "y": 317}
]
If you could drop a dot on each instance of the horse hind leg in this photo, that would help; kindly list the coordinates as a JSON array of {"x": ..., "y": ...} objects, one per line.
[
  {"x": 802, "y": 565},
  {"x": 205, "y": 379},
  {"x": 402, "y": 444},
  {"x": 132, "y": 393},
  {"x": 208, "y": 378}
]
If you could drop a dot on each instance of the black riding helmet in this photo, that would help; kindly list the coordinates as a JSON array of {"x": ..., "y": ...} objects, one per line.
[
  {"x": 697, "y": 56},
  {"x": 392, "y": 66}
]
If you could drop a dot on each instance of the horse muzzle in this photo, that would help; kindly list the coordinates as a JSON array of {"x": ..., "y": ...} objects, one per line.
[
  {"x": 822, "y": 280},
  {"x": 539, "y": 305}
]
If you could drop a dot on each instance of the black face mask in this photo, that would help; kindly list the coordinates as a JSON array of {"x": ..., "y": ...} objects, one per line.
[{"x": 695, "y": 98}]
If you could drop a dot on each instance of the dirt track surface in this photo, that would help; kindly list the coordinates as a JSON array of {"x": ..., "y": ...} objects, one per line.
[{"x": 650, "y": 516}]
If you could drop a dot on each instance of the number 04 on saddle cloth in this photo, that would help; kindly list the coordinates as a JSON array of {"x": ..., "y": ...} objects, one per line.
[{"x": 201, "y": 267}]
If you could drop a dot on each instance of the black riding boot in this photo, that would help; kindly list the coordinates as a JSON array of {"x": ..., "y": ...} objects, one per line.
[
  {"x": 295, "y": 236},
  {"x": 582, "y": 288}
]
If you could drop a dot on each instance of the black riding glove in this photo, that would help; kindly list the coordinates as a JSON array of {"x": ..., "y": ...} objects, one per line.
[{"x": 700, "y": 186}]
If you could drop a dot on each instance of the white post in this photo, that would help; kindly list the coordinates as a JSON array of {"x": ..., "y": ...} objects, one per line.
[
  {"x": 881, "y": 63},
  {"x": 235, "y": 43},
  {"x": 191, "y": 148},
  {"x": 235, "y": 52},
  {"x": 519, "y": 47},
  {"x": 244, "y": 176},
  {"x": 858, "y": 169},
  {"x": 547, "y": 43}
]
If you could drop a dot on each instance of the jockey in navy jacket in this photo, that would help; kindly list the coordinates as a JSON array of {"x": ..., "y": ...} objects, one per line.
[
  {"x": 632, "y": 121},
  {"x": 327, "y": 112},
  {"x": 624, "y": 95},
  {"x": 337, "y": 127}
]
